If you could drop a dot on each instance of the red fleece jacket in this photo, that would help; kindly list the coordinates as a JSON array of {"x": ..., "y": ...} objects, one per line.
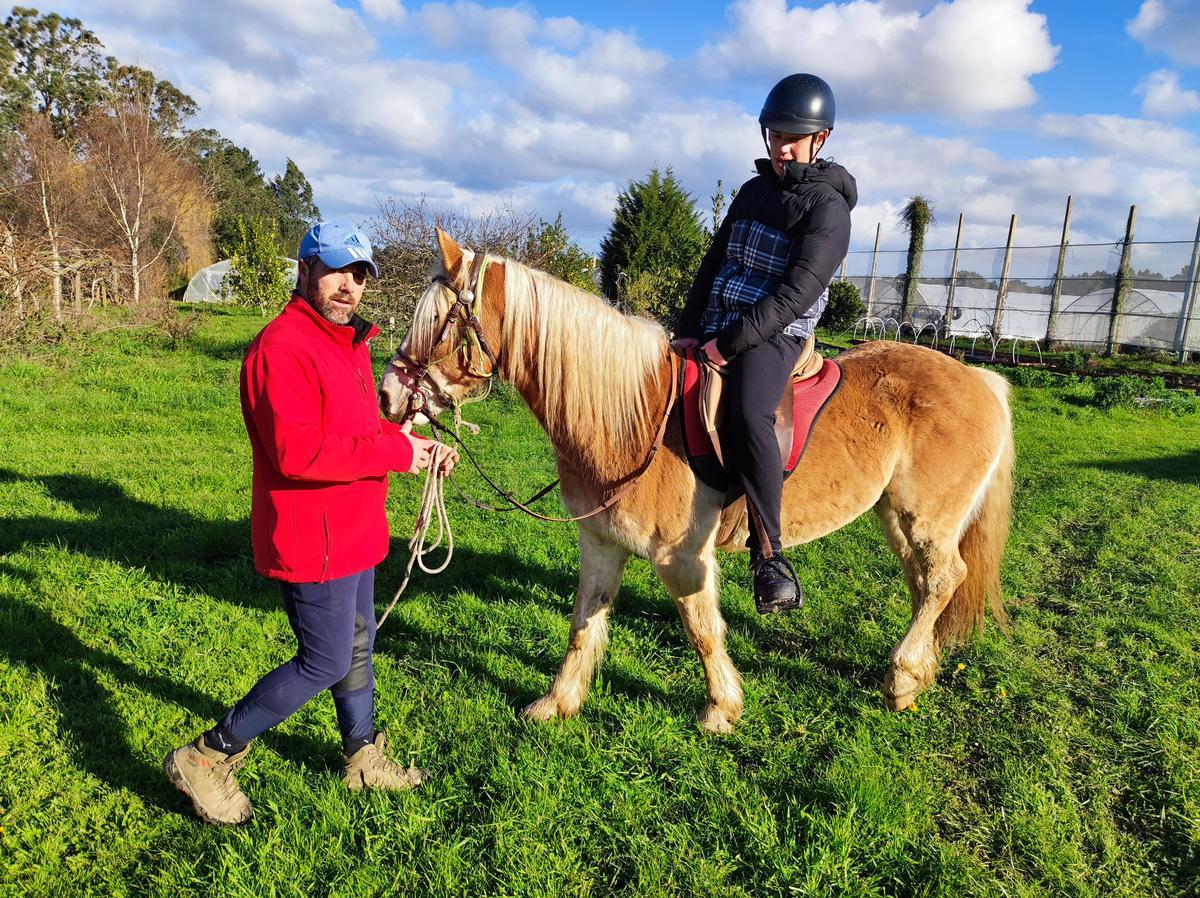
[{"x": 321, "y": 451}]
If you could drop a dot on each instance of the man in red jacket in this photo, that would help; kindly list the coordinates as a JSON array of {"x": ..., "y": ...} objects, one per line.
[{"x": 322, "y": 455}]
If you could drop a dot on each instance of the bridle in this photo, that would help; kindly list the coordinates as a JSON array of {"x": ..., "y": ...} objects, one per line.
[{"x": 466, "y": 306}]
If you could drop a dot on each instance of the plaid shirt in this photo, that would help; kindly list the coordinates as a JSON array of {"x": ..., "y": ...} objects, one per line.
[{"x": 754, "y": 260}]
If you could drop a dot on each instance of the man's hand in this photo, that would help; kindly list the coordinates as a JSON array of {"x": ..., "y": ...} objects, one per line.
[
  {"x": 423, "y": 451},
  {"x": 714, "y": 354},
  {"x": 685, "y": 343}
]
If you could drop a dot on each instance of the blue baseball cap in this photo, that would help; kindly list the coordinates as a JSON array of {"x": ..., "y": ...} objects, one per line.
[{"x": 338, "y": 245}]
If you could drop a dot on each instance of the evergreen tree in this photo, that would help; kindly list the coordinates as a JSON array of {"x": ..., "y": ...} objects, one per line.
[
  {"x": 167, "y": 106},
  {"x": 294, "y": 200},
  {"x": 59, "y": 63},
  {"x": 238, "y": 186},
  {"x": 656, "y": 241}
]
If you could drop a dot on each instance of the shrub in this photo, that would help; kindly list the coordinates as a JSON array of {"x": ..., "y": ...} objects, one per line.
[
  {"x": 258, "y": 275},
  {"x": 1112, "y": 392},
  {"x": 845, "y": 307},
  {"x": 1073, "y": 360}
]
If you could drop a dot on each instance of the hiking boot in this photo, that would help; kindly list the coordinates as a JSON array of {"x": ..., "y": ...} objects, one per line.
[
  {"x": 371, "y": 768},
  {"x": 206, "y": 776},
  {"x": 776, "y": 586}
]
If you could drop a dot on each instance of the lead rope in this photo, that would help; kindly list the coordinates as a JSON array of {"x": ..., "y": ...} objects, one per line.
[{"x": 432, "y": 507}]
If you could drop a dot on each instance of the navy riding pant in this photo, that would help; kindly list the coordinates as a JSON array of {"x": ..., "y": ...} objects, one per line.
[{"x": 334, "y": 623}]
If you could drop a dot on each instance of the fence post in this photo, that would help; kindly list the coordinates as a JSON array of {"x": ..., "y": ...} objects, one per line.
[
  {"x": 1188, "y": 306},
  {"x": 874, "y": 263},
  {"x": 1002, "y": 293},
  {"x": 1056, "y": 291},
  {"x": 1121, "y": 287},
  {"x": 949, "y": 316}
]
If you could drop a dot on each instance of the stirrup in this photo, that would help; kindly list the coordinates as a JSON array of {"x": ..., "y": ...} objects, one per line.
[{"x": 765, "y": 605}]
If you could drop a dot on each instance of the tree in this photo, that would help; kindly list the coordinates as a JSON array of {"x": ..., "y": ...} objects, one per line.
[
  {"x": 656, "y": 240},
  {"x": 259, "y": 275},
  {"x": 406, "y": 246},
  {"x": 294, "y": 200},
  {"x": 146, "y": 193},
  {"x": 549, "y": 247},
  {"x": 58, "y": 61},
  {"x": 46, "y": 172},
  {"x": 915, "y": 217},
  {"x": 167, "y": 106},
  {"x": 844, "y": 308},
  {"x": 237, "y": 186}
]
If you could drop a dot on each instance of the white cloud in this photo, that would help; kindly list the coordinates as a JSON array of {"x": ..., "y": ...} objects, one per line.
[
  {"x": 1138, "y": 138},
  {"x": 501, "y": 106},
  {"x": 605, "y": 71},
  {"x": 1163, "y": 97},
  {"x": 1171, "y": 27},
  {"x": 385, "y": 10},
  {"x": 966, "y": 57}
]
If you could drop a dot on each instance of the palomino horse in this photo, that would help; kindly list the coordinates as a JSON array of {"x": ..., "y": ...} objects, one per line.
[{"x": 919, "y": 437}]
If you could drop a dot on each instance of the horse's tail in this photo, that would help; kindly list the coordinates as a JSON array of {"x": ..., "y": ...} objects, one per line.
[{"x": 983, "y": 538}]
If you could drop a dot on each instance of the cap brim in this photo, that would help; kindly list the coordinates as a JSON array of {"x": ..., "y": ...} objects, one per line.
[{"x": 340, "y": 258}]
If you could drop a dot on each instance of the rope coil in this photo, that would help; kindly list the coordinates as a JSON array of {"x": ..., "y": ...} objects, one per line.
[{"x": 432, "y": 508}]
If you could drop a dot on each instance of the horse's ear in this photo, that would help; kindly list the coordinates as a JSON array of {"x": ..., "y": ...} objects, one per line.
[{"x": 452, "y": 255}]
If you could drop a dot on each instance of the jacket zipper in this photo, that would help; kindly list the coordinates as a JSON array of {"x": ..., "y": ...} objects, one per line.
[{"x": 325, "y": 563}]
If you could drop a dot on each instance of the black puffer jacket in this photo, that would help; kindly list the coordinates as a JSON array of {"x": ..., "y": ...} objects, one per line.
[{"x": 794, "y": 233}]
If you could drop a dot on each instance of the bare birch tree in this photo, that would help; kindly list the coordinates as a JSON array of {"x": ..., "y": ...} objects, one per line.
[{"x": 146, "y": 194}]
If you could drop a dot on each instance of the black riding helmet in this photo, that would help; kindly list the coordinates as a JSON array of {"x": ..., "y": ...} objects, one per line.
[{"x": 799, "y": 104}]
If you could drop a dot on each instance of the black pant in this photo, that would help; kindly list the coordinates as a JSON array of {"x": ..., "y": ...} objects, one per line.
[{"x": 755, "y": 384}]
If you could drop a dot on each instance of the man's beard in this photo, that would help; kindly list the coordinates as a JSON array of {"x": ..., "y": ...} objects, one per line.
[
  {"x": 325, "y": 307},
  {"x": 333, "y": 314}
]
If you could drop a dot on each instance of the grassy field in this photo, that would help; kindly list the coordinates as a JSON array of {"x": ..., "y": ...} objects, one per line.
[{"x": 1064, "y": 760}]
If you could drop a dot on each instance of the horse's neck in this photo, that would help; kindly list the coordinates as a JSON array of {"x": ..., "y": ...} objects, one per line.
[{"x": 594, "y": 448}]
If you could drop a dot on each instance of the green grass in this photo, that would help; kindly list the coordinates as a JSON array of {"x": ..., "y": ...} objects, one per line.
[{"x": 1061, "y": 761}]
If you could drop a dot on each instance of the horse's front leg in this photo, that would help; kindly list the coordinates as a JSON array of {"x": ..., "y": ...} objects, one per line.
[
  {"x": 600, "y": 567},
  {"x": 692, "y": 582}
]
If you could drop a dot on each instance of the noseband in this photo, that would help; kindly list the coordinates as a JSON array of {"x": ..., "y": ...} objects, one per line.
[{"x": 466, "y": 306}]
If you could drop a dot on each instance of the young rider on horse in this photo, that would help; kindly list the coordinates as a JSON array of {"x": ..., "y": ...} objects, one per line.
[{"x": 757, "y": 297}]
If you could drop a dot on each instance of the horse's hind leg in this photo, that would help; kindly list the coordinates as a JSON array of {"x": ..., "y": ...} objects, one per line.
[
  {"x": 600, "y": 567},
  {"x": 692, "y": 582},
  {"x": 938, "y": 571}
]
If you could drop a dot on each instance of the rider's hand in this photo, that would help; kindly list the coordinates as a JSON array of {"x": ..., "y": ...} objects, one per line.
[
  {"x": 685, "y": 343},
  {"x": 714, "y": 354}
]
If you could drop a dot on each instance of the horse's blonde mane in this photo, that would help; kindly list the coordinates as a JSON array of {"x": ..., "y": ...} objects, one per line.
[{"x": 593, "y": 369}]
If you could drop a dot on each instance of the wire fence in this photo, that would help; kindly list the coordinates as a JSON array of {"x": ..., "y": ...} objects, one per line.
[{"x": 1125, "y": 294}]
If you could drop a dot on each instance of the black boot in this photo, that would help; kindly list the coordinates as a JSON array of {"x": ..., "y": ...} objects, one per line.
[{"x": 776, "y": 586}]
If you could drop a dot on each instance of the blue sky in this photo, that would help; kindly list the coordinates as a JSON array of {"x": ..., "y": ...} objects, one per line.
[{"x": 985, "y": 106}]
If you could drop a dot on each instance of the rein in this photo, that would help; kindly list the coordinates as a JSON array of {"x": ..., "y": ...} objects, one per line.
[{"x": 628, "y": 481}]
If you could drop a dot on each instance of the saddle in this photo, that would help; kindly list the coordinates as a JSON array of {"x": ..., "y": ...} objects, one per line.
[{"x": 814, "y": 380}]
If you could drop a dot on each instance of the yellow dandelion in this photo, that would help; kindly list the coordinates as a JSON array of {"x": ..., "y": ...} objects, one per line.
[
  {"x": 1003, "y": 692},
  {"x": 961, "y": 667}
]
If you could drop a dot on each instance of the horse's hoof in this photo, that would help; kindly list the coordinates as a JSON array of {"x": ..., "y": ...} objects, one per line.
[
  {"x": 899, "y": 702},
  {"x": 713, "y": 720},
  {"x": 542, "y": 710}
]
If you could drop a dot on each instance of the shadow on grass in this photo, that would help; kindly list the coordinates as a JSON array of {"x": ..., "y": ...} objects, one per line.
[
  {"x": 208, "y": 556},
  {"x": 92, "y": 728},
  {"x": 1177, "y": 468},
  {"x": 214, "y": 558},
  {"x": 505, "y": 579}
]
